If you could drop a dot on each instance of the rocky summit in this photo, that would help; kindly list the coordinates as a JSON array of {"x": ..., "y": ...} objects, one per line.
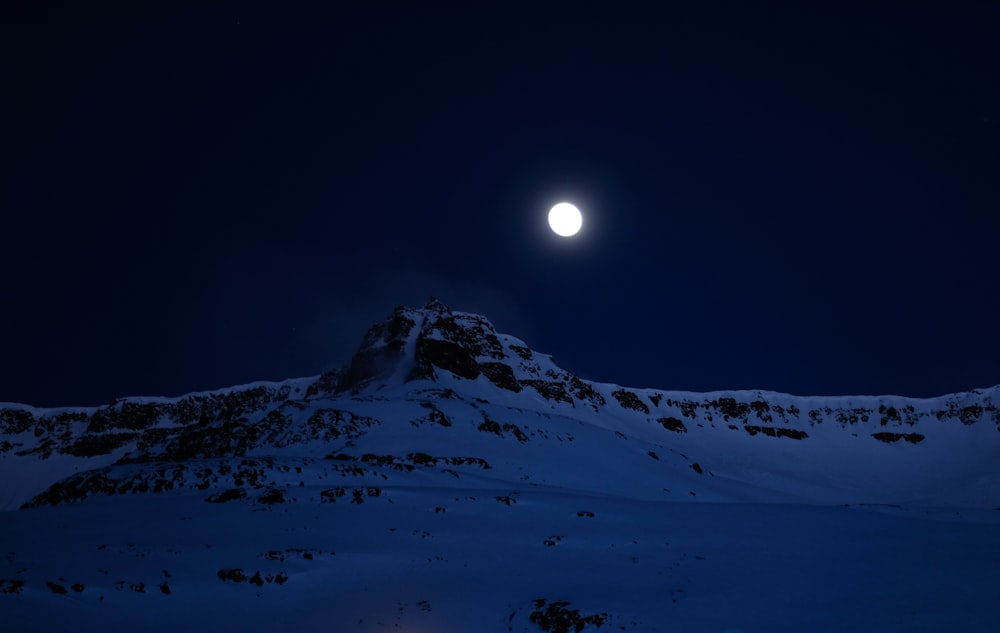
[{"x": 450, "y": 477}]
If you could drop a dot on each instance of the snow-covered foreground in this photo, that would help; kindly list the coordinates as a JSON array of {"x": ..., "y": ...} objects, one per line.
[
  {"x": 452, "y": 479},
  {"x": 460, "y": 560}
]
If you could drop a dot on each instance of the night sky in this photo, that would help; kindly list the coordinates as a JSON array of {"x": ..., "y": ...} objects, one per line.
[{"x": 778, "y": 199}]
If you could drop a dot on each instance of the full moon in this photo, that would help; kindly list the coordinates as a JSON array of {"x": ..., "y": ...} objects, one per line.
[{"x": 565, "y": 219}]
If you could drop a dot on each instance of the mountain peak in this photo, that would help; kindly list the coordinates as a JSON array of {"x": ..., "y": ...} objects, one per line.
[
  {"x": 439, "y": 344},
  {"x": 435, "y": 305},
  {"x": 414, "y": 344},
  {"x": 381, "y": 352},
  {"x": 467, "y": 345}
]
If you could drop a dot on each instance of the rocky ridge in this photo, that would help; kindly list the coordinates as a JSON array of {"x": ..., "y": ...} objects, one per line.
[{"x": 423, "y": 368}]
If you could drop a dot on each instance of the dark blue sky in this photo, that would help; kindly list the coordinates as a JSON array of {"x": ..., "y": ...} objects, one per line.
[{"x": 778, "y": 199}]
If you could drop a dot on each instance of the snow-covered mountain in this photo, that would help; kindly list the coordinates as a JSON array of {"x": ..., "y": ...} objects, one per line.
[{"x": 451, "y": 478}]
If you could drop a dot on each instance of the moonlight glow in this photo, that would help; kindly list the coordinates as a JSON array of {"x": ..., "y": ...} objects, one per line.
[{"x": 565, "y": 219}]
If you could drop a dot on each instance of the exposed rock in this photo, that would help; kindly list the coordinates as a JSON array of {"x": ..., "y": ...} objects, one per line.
[
  {"x": 558, "y": 617},
  {"x": 762, "y": 409},
  {"x": 447, "y": 355},
  {"x": 501, "y": 375},
  {"x": 523, "y": 352},
  {"x": 11, "y": 586},
  {"x": 381, "y": 350},
  {"x": 90, "y": 445},
  {"x": 729, "y": 408},
  {"x": 492, "y": 426},
  {"x": 550, "y": 390},
  {"x": 630, "y": 400},
  {"x": 133, "y": 416},
  {"x": 56, "y": 587},
  {"x": 586, "y": 392},
  {"x": 328, "y": 383},
  {"x": 771, "y": 431},
  {"x": 436, "y": 415},
  {"x": 272, "y": 496},
  {"x": 889, "y": 438},
  {"x": 672, "y": 424},
  {"x": 16, "y": 421},
  {"x": 465, "y": 345},
  {"x": 233, "y": 575},
  {"x": 233, "y": 494},
  {"x": 967, "y": 414}
]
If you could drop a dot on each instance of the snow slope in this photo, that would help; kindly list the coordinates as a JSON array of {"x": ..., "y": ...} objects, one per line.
[{"x": 450, "y": 478}]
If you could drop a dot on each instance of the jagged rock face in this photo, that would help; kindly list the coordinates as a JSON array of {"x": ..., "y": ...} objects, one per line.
[
  {"x": 418, "y": 344},
  {"x": 463, "y": 344},
  {"x": 326, "y": 384},
  {"x": 380, "y": 353},
  {"x": 467, "y": 345},
  {"x": 93, "y": 432},
  {"x": 436, "y": 338}
]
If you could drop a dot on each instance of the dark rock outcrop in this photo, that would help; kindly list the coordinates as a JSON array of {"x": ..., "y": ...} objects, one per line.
[{"x": 381, "y": 351}]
